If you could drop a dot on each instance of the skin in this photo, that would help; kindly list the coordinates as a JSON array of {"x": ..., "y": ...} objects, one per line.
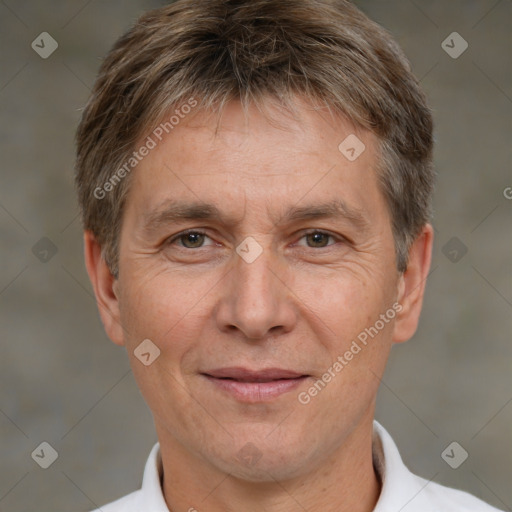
[{"x": 298, "y": 306}]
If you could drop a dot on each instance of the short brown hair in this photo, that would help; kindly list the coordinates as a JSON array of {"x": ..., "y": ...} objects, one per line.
[{"x": 254, "y": 50}]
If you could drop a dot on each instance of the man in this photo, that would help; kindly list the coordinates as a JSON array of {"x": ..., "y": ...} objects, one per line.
[{"x": 255, "y": 179}]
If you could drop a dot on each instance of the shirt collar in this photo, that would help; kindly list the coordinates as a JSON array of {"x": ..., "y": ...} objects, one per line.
[
  {"x": 399, "y": 485},
  {"x": 152, "y": 497}
]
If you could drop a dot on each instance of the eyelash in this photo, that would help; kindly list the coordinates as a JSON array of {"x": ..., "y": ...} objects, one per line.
[{"x": 200, "y": 232}]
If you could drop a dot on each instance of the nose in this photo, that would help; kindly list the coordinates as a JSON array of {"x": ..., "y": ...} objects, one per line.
[{"x": 257, "y": 299}]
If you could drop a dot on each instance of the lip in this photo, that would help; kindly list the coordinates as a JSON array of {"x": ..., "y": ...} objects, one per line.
[
  {"x": 244, "y": 374},
  {"x": 255, "y": 385}
]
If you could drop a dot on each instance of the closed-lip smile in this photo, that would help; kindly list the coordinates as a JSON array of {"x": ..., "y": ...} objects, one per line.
[{"x": 255, "y": 385}]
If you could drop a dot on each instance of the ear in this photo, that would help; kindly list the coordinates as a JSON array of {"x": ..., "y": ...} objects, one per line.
[
  {"x": 105, "y": 288},
  {"x": 412, "y": 285}
]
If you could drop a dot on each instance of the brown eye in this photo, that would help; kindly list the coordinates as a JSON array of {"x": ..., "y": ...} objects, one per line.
[
  {"x": 195, "y": 239},
  {"x": 190, "y": 239},
  {"x": 318, "y": 239}
]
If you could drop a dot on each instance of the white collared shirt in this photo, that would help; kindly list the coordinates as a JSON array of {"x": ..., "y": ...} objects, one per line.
[{"x": 401, "y": 491}]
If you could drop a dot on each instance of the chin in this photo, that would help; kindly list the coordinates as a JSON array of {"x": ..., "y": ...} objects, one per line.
[{"x": 266, "y": 464}]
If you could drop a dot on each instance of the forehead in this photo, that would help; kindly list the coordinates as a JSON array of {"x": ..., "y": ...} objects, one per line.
[
  {"x": 301, "y": 125},
  {"x": 252, "y": 159}
]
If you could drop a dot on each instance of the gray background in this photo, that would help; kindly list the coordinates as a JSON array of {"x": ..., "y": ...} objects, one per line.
[{"x": 62, "y": 380}]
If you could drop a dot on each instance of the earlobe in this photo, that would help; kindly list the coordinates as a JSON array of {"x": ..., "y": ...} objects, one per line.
[
  {"x": 412, "y": 284},
  {"x": 105, "y": 288}
]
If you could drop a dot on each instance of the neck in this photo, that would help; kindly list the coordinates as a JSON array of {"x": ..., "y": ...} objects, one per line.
[{"x": 345, "y": 482}]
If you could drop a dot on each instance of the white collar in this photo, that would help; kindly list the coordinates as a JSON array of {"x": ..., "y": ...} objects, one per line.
[{"x": 401, "y": 490}]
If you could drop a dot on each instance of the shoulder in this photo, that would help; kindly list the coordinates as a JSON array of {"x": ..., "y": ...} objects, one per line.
[
  {"x": 403, "y": 490},
  {"x": 446, "y": 498}
]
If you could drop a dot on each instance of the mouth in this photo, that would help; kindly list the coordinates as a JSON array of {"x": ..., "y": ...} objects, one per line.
[{"x": 254, "y": 386}]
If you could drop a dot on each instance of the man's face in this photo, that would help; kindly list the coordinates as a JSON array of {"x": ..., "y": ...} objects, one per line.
[{"x": 297, "y": 307}]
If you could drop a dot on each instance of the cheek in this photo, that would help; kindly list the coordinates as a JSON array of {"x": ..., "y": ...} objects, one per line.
[
  {"x": 163, "y": 306},
  {"x": 346, "y": 309},
  {"x": 342, "y": 300},
  {"x": 167, "y": 309}
]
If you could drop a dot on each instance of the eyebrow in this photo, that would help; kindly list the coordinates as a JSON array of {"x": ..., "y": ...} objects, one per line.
[
  {"x": 175, "y": 211},
  {"x": 336, "y": 209}
]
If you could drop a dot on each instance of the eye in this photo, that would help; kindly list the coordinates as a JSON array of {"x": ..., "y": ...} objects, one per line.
[
  {"x": 318, "y": 239},
  {"x": 192, "y": 239}
]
